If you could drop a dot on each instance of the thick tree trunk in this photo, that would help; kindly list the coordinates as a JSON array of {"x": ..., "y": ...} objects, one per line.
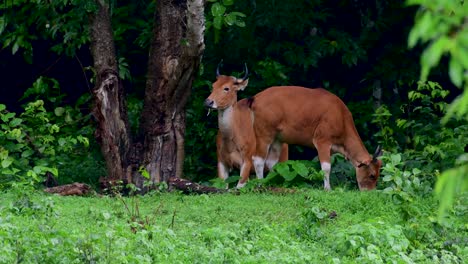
[
  {"x": 174, "y": 58},
  {"x": 109, "y": 109}
]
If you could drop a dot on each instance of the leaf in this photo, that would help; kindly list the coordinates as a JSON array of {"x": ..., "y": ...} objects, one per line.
[
  {"x": 217, "y": 9},
  {"x": 144, "y": 172},
  {"x": 54, "y": 171},
  {"x": 230, "y": 19},
  {"x": 456, "y": 72},
  {"x": 83, "y": 140},
  {"x": 396, "y": 159},
  {"x": 3, "y": 24},
  {"x": 27, "y": 153},
  {"x": 2, "y": 107},
  {"x": 232, "y": 179},
  {"x": 431, "y": 56},
  {"x": 238, "y": 14},
  {"x": 301, "y": 169},
  {"x": 387, "y": 178},
  {"x": 228, "y": 2},
  {"x": 6, "y": 163},
  {"x": 283, "y": 170},
  {"x": 62, "y": 141},
  {"x": 398, "y": 181},
  {"x": 15, "y": 48},
  {"x": 416, "y": 171},
  {"x": 7, "y": 116},
  {"x": 59, "y": 111},
  {"x": 240, "y": 23},
  {"x": 68, "y": 118},
  {"x": 450, "y": 183},
  {"x": 15, "y": 122},
  {"x": 218, "y": 22},
  {"x": 420, "y": 29}
]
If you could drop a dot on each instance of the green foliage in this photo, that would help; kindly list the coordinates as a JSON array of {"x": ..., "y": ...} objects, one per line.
[
  {"x": 38, "y": 142},
  {"x": 450, "y": 183},
  {"x": 424, "y": 146},
  {"x": 386, "y": 133},
  {"x": 443, "y": 24},
  {"x": 307, "y": 173},
  {"x": 294, "y": 173},
  {"x": 374, "y": 242},
  {"x": 303, "y": 227},
  {"x": 19, "y": 27},
  {"x": 403, "y": 183},
  {"x": 219, "y": 17}
]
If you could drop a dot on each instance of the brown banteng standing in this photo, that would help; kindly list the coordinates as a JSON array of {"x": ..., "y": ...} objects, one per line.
[
  {"x": 235, "y": 141},
  {"x": 313, "y": 118}
]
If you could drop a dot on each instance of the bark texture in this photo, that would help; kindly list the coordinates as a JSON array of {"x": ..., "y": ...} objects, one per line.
[
  {"x": 174, "y": 59},
  {"x": 109, "y": 108}
]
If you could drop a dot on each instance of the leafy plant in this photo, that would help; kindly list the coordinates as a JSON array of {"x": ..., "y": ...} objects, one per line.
[
  {"x": 293, "y": 173},
  {"x": 37, "y": 142},
  {"x": 427, "y": 146},
  {"x": 404, "y": 184},
  {"x": 220, "y": 17},
  {"x": 443, "y": 24},
  {"x": 374, "y": 242}
]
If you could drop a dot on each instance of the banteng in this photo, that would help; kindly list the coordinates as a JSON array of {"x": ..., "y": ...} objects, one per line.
[
  {"x": 235, "y": 141},
  {"x": 313, "y": 118}
]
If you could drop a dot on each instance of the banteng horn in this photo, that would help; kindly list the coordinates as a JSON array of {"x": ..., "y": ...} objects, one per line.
[
  {"x": 217, "y": 68},
  {"x": 246, "y": 75},
  {"x": 378, "y": 153}
]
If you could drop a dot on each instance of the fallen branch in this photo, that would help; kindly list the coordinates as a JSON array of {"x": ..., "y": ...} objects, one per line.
[
  {"x": 75, "y": 188},
  {"x": 189, "y": 187}
]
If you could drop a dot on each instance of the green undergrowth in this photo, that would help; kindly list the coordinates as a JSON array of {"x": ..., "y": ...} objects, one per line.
[{"x": 307, "y": 226}]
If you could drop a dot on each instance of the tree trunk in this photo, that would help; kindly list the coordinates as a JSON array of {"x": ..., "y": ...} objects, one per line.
[
  {"x": 174, "y": 58},
  {"x": 109, "y": 106}
]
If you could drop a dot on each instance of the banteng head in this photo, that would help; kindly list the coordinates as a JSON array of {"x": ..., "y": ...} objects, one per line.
[
  {"x": 368, "y": 171},
  {"x": 224, "y": 93}
]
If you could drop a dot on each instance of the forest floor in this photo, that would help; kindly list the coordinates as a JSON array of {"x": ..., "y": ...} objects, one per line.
[{"x": 307, "y": 226}]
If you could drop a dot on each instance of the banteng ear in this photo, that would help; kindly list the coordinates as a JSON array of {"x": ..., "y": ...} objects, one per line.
[
  {"x": 364, "y": 163},
  {"x": 377, "y": 153},
  {"x": 241, "y": 84}
]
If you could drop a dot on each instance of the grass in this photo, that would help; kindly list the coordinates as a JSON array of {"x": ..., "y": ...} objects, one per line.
[{"x": 301, "y": 227}]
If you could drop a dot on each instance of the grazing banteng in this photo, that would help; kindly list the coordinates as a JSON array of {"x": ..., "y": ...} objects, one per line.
[
  {"x": 235, "y": 141},
  {"x": 314, "y": 118}
]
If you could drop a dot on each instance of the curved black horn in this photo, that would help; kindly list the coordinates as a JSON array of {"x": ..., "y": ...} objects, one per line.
[
  {"x": 217, "y": 68},
  {"x": 246, "y": 75},
  {"x": 378, "y": 153}
]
